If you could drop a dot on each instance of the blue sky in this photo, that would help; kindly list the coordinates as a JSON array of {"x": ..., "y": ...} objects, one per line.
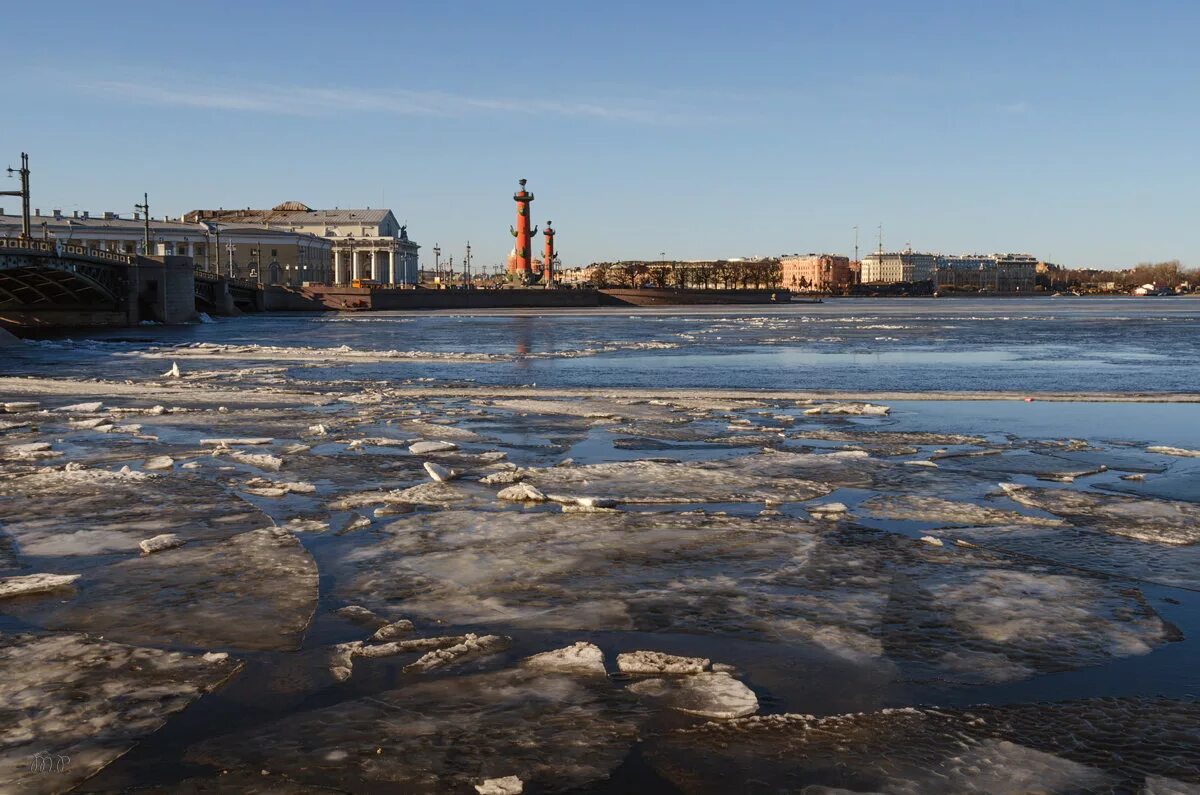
[{"x": 1066, "y": 129}]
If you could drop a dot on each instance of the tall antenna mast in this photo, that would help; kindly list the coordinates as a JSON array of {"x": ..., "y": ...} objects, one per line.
[{"x": 856, "y": 242}]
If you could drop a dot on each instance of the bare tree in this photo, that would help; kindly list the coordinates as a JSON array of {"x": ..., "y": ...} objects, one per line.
[
  {"x": 600, "y": 274},
  {"x": 659, "y": 274},
  {"x": 633, "y": 272}
]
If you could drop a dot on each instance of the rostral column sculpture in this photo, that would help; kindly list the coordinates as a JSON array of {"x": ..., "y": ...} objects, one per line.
[
  {"x": 522, "y": 267},
  {"x": 548, "y": 257}
]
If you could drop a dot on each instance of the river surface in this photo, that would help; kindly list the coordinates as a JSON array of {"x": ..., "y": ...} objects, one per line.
[
  {"x": 896, "y": 595},
  {"x": 1036, "y": 345}
]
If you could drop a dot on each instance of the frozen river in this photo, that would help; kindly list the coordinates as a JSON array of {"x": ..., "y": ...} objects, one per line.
[
  {"x": 607, "y": 552},
  {"x": 1036, "y": 345}
]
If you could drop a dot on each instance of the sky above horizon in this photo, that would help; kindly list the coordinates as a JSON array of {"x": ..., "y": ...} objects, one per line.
[{"x": 700, "y": 129}]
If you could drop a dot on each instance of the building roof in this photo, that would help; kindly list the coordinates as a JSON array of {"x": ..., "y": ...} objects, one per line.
[
  {"x": 80, "y": 227},
  {"x": 286, "y": 214}
]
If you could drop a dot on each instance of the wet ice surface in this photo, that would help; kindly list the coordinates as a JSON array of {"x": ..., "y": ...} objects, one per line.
[{"x": 369, "y": 628}]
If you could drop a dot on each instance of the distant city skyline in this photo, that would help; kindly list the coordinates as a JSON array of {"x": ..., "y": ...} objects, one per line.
[{"x": 698, "y": 129}]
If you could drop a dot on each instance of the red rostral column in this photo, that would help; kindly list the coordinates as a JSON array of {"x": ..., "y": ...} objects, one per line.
[
  {"x": 523, "y": 266},
  {"x": 548, "y": 257}
]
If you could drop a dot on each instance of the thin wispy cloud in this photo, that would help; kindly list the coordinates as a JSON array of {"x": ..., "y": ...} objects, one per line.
[
  {"x": 1019, "y": 108},
  {"x": 321, "y": 101}
]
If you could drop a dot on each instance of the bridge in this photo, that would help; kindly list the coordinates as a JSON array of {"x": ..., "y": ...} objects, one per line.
[
  {"x": 47, "y": 283},
  {"x": 223, "y": 295}
]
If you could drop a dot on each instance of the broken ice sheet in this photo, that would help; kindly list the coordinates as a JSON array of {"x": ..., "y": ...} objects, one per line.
[
  {"x": 780, "y": 477},
  {"x": 936, "y": 510},
  {"x": 1091, "y": 551},
  {"x": 1151, "y": 521},
  {"x": 89, "y": 700},
  {"x": 1102, "y": 745},
  {"x": 254, "y": 591},
  {"x": 555, "y": 731},
  {"x": 89, "y": 512},
  {"x": 92, "y": 522},
  {"x": 867, "y": 597}
]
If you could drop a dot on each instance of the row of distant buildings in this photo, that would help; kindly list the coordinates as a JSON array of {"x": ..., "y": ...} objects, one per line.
[
  {"x": 1002, "y": 273},
  {"x": 290, "y": 244}
]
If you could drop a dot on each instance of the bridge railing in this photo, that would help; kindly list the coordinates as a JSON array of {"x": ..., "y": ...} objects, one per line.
[
  {"x": 211, "y": 276},
  {"x": 53, "y": 247}
]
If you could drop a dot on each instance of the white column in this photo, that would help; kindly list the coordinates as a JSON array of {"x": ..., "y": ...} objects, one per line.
[
  {"x": 337, "y": 267},
  {"x": 376, "y": 276},
  {"x": 387, "y": 267},
  {"x": 354, "y": 264}
]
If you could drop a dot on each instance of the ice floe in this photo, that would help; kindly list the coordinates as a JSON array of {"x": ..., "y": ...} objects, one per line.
[
  {"x": 27, "y": 584},
  {"x": 709, "y": 695},
  {"x": 580, "y": 658},
  {"x": 159, "y": 543},
  {"x": 84, "y": 702}
]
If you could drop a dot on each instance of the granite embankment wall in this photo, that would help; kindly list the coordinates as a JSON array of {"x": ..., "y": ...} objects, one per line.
[
  {"x": 656, "y": 297},
  {"x": 365, "y": 299}
]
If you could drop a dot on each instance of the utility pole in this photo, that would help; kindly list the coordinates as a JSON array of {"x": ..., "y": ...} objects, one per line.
[
  {"x": 145, "y": 208},
  {"x": 467, "y": 267},
  {"x": 437, "y": 266},
  {"x": 23, "y": 192}
]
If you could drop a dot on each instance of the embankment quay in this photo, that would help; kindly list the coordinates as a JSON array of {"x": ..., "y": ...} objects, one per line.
[{"x": 49, "y": 284}]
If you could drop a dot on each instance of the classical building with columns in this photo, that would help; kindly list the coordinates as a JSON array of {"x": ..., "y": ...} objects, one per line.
[
  {"x": 366, "y": 244},
  {"x": 265, "y": 254}
]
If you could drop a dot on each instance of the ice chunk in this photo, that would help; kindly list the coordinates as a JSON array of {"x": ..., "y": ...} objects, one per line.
[
  {"x": 161, "y": 542},
  {"x": 656, "y": 662},
  {"x": 508, "y": 785},
  {"x": 90, "y": 423},
  {"x": 83, "y": 408},
  {"x": 440, "y": 473},
  {"x": 827, "y": 510},
  {"x": 395, "y": 647},
  {"x": 506, "y": 476},
  {"x": 173, "y": 372},
  {"x": 709, "y": 695},
  {"x": 848, "y": 408},
  {"x": 18, "y": 406},
  {"x": 259, "y": 460},
  {"x": 521, "y": 492},
  {"x": 393, "y": 630},
  {"x": 263, "y": 487},
  {"x": 159, "y": 462},
  {"x": 237, "y": 441},
  {"x": 932, "y": 540},
  {"x": 1175, "y": 451},
  {"x": 437, "y": 432},
  {"x": 471, "y": 646},
  {"x": 27, "y": 584},
  {"x": 580, "y": 658},
  {"x": 29, "y": 451},
  {"x": 359, "y": 614},
  {"x": 427, "y": 448}
]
